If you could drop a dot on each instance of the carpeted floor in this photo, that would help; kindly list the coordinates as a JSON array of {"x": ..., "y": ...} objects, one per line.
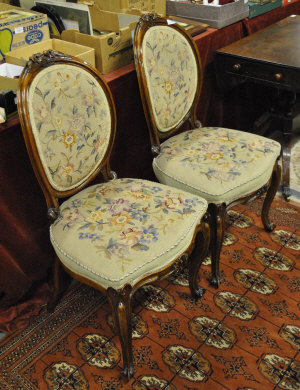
[{"x": 245, "y": 335}]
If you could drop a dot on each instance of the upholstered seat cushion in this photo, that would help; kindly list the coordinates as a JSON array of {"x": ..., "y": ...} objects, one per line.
[
  {"x": 117, "y": 232},
  {"x": 218, "y": 164}
]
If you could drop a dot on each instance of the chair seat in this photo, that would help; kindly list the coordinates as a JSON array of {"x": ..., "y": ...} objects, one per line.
[
  {"x": 117, "y": 232},
  {"x": 218, "y": 164}
]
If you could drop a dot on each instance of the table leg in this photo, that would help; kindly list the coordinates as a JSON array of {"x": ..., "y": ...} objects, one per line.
[{"x": 286, "y": 159}]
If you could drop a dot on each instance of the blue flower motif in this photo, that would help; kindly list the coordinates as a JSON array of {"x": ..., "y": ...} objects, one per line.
[
  {"x": 156, "y": 189},
  {"x": 139, "y": 215},
  {"x": 76, "y": 203},
  {"x": 149, "y": 234},
  {"x": 83, "y": 236},
  {"x": 189, "y": 204},
  {"x": 94, "y": 237}
]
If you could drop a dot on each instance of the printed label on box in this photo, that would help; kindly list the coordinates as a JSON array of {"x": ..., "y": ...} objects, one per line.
[{"x": 34, "y": 37}]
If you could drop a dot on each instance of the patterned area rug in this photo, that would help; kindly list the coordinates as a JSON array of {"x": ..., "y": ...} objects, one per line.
[{"x": 245, "y": 335}]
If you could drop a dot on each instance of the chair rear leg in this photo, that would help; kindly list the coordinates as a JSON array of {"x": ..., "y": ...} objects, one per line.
[
  {"x": 121, "y": 308},
  {"x": 198, "y": 255},
  {"x": 61, "y": 281},
  {"x": 217, "y": 231},
  {"x": 275, "y": 182}
]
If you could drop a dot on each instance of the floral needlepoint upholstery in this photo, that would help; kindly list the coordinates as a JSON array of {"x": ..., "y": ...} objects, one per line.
[
  {"x": 217, "y": 163},
  {"x": 117, "y": 232},
  {"x": 171, "y": 73},
  {"x": 69, "y": 113}
]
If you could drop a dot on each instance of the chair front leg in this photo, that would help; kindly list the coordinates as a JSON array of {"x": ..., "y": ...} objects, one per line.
[
  {"x": 198, "y": 255},
  {"x": 217, "y": 231},
  {"x": 275, "y": 182},
  {"x": 121, "y": 308}
]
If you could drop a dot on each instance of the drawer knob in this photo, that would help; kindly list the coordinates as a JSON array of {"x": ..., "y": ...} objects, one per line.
[
  {"x": 237, "y": 67},
  {"x": 278, "y": 76}
]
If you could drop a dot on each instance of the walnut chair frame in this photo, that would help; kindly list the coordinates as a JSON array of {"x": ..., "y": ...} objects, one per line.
[
  {"x": 218, "y": 210},
  {"x": 120, "y": 299}
]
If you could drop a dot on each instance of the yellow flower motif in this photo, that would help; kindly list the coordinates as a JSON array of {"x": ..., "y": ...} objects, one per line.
[
  {"x": 94, "y": 216},
  {"x": 169, "y": 86},
  {"x": 140, "y": 195},
  {"x": 225, "y": 138},
  {"x": 58, "y": 120},
  {"x": 148, "y": 237},
  {"x": 69, "y": 139},
  {"x": 192, "y": 152},
  {"x": 67, "y": 169},
  {"x": 215, "y": 156},
  {"x": 121, "y": 219}
]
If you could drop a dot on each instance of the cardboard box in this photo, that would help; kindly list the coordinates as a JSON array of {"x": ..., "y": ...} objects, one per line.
[
  {"x": 21, "y": 56},
  {"x": 20, "y": 27},
  {"x": 136, "y": 7},
  {"x": 215, "y": 16},
  {"x": 112, "y": 49},
  {"x": 8, "y": 86},
  {"x": 256, "y": 9}
]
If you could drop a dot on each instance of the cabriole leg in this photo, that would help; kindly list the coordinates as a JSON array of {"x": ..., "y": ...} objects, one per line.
[
  {"x": 217, "y": 231},
  {"x": 121, "y": 308},
  {"x": 198, "y": 255},
  {"x": 275, "y": 181}
]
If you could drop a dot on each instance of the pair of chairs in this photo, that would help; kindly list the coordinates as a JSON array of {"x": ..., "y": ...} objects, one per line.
[{"x": 121, "y": 234}]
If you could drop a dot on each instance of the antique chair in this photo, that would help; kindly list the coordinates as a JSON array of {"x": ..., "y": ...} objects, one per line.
[
  {"x": 117, "y": 235},
  {"x": 224, "y": 166}
]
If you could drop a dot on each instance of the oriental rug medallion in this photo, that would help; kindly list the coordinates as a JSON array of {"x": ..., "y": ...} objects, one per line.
[{"x": 244, "y": 335}]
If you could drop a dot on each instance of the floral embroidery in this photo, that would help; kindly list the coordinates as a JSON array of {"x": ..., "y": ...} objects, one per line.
[
  {"x": 69, "y": 139},
  {"x": 71, "y": 124},
  {"x": 169, "y": 86},
  {"x": 122, "y": 225},
  {"x": 171, "y": 73},
  {"x": 217, "y": 153}
]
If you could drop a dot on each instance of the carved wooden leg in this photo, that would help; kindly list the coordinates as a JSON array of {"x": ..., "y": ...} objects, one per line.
[
  {"x": 60, "y": 283},
  {"x": 275, "y": 181},
  {"x": 198, "y": 255},
  {"x": 121, "y": 307},
  {"x": 217, "y": 231}
]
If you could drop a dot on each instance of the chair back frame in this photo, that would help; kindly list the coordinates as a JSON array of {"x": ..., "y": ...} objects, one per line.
[
  {"x": 145, "y": 23},
  {"x": 34, "y": 66}
]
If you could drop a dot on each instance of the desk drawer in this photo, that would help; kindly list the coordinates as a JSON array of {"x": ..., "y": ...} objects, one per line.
[{"x": 269, "y": 74}]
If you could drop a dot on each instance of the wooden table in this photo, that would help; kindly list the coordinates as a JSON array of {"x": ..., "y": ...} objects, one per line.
[{"x": 270, "y": 57}]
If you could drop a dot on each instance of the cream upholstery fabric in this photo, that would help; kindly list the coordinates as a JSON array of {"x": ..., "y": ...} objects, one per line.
[
  {"x": 71, "y": 123},
  {"x": 218, "y": 164},
  {"x": 171, "y": 74},
  {"x": 118, "y": 232}
]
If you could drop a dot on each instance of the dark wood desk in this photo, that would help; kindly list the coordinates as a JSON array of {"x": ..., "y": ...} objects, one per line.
[{"x": 270, "y": 57}]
